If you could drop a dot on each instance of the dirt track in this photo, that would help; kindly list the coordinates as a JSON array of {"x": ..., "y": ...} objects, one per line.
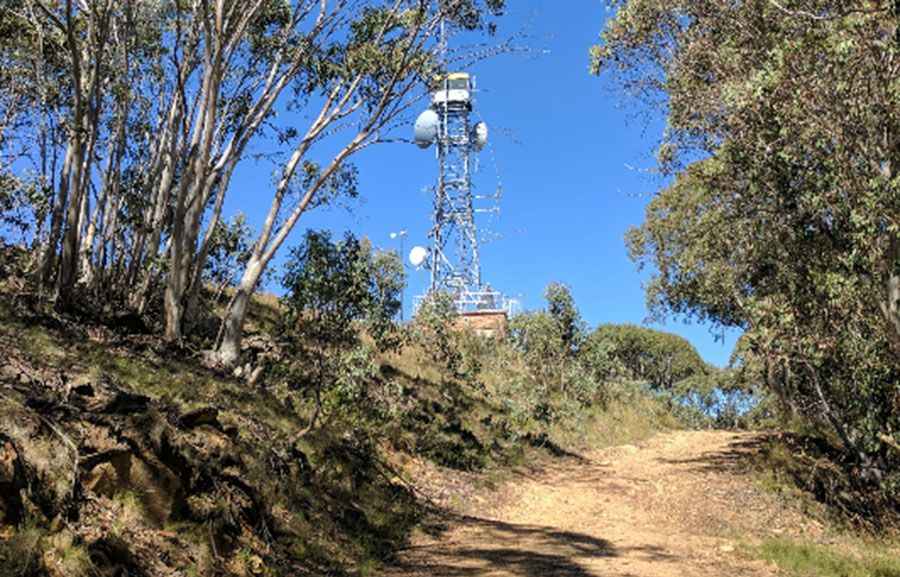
[{"x": 678, "y": 505}]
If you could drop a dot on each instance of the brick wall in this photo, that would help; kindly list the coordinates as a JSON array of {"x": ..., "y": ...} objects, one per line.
[{"x": 485, "y": 323}]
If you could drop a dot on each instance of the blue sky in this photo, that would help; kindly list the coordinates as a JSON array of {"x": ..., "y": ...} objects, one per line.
[{"x": 575, "y": 161}]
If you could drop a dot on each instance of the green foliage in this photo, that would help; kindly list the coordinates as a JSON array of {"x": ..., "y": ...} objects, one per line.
[
  {"x": 342, "y": 185},
  {"x": 567, "y": 369},
  {"x": 716, "y": 399},
  {"x": 331, "y": 285},
  {"x": 471, "y": 15},
  {"x": 550, "y": 340},
  {"x": 537, "y": 337},
  {"x": 787, "y": 226},
  {"x": 561, "y": 308},
  {"x": 598, "y": 355},
  {"x": 388, "y": 278},
  {"x": 23, "y": 204},
  {"x": 434, "y": 330},
  {"x": 335, "y": 290},
  {"x": 229, "y": 251},
  {"x": 699, "y": 395},
  {"x": 661, "y": 359}
]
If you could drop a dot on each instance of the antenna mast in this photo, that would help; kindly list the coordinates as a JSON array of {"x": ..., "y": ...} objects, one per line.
[{"x": 454, "y": 259}]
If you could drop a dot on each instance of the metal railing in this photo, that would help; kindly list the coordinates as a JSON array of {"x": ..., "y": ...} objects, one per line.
[{"x": 481, "y": 301}]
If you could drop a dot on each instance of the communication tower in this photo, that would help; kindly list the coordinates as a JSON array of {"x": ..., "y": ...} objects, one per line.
[{"x": 453, "y": 259}]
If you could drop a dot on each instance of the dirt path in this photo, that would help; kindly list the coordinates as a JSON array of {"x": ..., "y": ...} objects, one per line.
[{"x": 675, "y": 506}]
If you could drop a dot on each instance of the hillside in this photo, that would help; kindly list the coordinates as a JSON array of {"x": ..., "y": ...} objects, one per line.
[{"x": 121, "y": 455}]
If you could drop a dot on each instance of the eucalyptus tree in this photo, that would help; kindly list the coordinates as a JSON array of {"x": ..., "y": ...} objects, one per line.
[
  {"x": 783, "y": 134},
  {"x": 549, "y": 340},
  {"x": 367, "y": 80},
  {"x": 158, "y": 102},
  {"x": 659, "y": 358},
  {"x": 85, "y": 35},
  {"x": 91, "y": 71}
]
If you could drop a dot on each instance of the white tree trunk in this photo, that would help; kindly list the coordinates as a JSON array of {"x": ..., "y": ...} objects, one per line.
[{"x": 233, "y": 324}]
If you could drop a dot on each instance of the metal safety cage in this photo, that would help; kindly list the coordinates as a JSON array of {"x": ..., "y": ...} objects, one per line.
[{"x": 481, "y": 301}]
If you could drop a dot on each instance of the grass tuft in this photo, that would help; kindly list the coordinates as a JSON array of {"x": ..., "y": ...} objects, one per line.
[{"x": 809, "y": 560}]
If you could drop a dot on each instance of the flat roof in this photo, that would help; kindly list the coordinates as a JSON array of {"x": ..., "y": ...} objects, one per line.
[
  {"x": 452, "y": 76},
  {"x": 483, "y": 313}
]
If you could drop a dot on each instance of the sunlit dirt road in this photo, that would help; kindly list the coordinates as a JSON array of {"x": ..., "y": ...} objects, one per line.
[{"x": 681, "y": 504}]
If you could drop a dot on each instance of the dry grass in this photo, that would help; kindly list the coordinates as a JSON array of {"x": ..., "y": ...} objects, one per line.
[
  {"x": 798, "y": 559},
  {"x": 64, "y": 558}
]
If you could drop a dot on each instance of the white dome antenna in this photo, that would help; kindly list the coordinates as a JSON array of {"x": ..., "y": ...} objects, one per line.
[
  {"x": 426, "y": 128},
  {"x": 480, "y": 135},
  {"x": 418, "y": 255}
]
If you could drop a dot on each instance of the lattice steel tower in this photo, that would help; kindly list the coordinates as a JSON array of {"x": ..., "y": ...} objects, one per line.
[
  {"x": 453, "y": 258},
  {"x": 455, "y": 266}
]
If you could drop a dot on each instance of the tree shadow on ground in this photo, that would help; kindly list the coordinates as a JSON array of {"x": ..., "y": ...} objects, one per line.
[
  {"x": 525, "y": 550},
  {"x": 737, "y": 458},
  {"x": 811, "y": 464},
  {"x": 543, "y": 441},
  {"x": 488, "y": 547}
]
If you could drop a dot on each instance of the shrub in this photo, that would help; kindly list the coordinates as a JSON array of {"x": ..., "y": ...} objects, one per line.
[{"x": 335, "y": 291}]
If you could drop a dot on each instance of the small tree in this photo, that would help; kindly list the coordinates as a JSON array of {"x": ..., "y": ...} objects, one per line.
[
  {"x": 433, "y": 329},
  {"x": 335, "y": 290},
  {"x": 562, "y": 309},
  {"x": 389, "y": 280},
  {"x": 228, "y": 253},
  {"x": 550, "y": 339}
]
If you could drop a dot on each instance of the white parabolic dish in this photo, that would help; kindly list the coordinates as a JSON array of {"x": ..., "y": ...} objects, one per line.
[
  {"x": 418, "y": 255},
  {"x": 481, "y": 135},
  {"x": 426, "y": 128}
]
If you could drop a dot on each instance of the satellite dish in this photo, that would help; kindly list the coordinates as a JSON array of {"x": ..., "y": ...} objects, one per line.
[
  {"x": 426, "y": 129},
  {"x": 418, "y": 255},
  {"x": 480, "y": 133}
]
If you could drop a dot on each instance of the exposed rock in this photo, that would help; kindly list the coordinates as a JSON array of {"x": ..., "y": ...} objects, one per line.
[
  {"x": 9, "y": 373},
  {"x": 254, "y": 376},
  {"x": 106, "y": 397},
  {"x": 102, "y": 479},
  {"x": 259, "y": 350},
  {"x": 8, "y": 459},
  {"x": 158, "y": 487},
  {"x": 258, "y": 343}
]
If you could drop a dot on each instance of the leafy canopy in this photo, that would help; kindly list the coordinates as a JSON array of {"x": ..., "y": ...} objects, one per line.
[{"x": 783, "y": 135}]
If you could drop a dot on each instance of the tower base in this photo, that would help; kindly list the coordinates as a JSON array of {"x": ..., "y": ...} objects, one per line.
[{"x": 485, "y": 323}]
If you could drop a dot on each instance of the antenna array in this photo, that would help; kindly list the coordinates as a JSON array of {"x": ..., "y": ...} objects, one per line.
[{"x": 454, "y": 259}]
